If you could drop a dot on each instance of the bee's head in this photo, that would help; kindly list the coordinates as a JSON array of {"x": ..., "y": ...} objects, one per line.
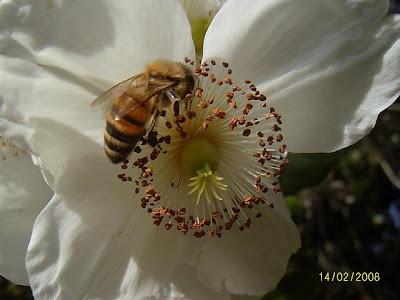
[
  {"x": 184, "y": 81},
  {"x": 176, "y": 72}
]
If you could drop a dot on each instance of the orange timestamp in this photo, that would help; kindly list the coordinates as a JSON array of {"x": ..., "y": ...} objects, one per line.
[{"x": 350, "y": 276}]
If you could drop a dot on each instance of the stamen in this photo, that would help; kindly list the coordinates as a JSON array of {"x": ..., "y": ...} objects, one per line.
[{"x": 211, "y": 168}]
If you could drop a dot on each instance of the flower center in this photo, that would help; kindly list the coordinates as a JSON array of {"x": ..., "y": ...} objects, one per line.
[
  {"x": 215, "y": 165},
  {"x": 200, "y": 158}
]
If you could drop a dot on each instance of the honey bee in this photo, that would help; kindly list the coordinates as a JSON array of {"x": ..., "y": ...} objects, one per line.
[{"x": 136, "y": 103}]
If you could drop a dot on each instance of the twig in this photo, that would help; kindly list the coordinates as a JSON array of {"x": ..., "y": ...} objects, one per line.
[{"x": 390, "y": 173}]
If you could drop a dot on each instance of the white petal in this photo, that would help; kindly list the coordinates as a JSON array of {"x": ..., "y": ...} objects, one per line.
[
  {"x": 250, "y": 262},
  {"x": 93, "y": 240},
  {"x": 110, "y": 40},
  {"x": 30, "y": 92},
  {"x": 201, "y": 8},
  {"x": 185, "y": 285},
  {"x": 328, "y": 67},
  {"x": 23, "y": 194}
]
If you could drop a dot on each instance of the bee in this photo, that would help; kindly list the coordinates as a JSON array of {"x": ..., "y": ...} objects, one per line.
[{"x": 136, "y": 103}]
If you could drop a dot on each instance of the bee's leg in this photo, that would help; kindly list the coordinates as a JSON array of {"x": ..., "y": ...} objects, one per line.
[
  {"x": 188, "y": 104},
  {"x": 175, "y": 102},
  {"x": 151, "y": 136},
  {"x": 176, "y": 108}
]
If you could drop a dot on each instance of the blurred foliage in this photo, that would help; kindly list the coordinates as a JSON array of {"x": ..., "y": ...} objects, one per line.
[
  {"x": 307, "y": 170},
  {"x": 10, "y": 291},
  {"x": 394, "y": 6},
  {"x": 349, "y": 217}
]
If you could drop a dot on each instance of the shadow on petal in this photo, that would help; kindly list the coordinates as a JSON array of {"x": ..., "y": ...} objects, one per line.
[{"x": 78, "y": 25}]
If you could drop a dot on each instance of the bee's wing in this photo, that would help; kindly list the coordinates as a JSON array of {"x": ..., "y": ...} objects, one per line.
[
  {"x": 152, "y": 89},
  {"x": 119, "y": 89}
]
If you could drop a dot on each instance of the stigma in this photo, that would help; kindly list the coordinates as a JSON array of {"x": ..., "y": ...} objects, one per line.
[
  {"x": 215, "y": 166},
  {"x": 207, "y": 184}
]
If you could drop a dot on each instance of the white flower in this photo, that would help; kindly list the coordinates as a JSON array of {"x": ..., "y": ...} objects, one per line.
[
  {"x": 23, "y": 195},
  {"x": 327, "y": 67}
]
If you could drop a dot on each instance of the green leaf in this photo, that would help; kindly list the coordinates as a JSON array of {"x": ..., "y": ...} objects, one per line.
[
  {"x": 307, "y": 170},
  {"x": 294, "y": 204}
]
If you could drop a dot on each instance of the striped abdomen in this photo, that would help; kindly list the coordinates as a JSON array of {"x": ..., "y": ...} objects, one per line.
[{"x": 124, "y": 130}]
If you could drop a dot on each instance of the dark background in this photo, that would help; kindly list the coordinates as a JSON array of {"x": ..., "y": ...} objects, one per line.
[{"x": 350, "y": 221}]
